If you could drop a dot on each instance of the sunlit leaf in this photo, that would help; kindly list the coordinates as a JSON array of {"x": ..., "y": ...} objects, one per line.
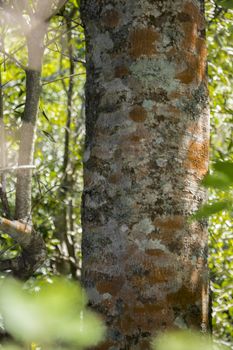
[
  {"x": 227, "y": 4},
  {"x": 45, "y": 115},
  {"x": 52, "y": 312},
  {"x": 225, "y": 168},
  {"x": 217, "y": 181},
  {"x": 209, "y": 209},
  {"x": 182, "y": 340}
]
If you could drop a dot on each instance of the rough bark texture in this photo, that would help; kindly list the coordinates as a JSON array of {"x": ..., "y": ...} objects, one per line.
[
  {"x": 29, "y": 119},
  {"x": 33, "y": 249},
  {"x": 27, "y": 142},
  {"x": 144, "y": 263}
]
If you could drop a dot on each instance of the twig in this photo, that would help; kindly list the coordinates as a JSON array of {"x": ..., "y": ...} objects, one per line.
[
  {"x": 15, "y": 168},
  {"x": 13, "y": 59},
  {"x": 67, "y": 77},
  {"x": 63, "y": 54},
  {"x": 58, "y": 36},
  {"x": 3, "y": 251}
]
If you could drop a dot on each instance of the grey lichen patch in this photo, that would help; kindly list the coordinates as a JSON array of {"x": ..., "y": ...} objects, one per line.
[
  {"x": 93, "y": 179},
  {"x": 148, "y": 104},
  {"x": 148, "y": 8},
  {"x": 197, "y": 104},
  {"x": 124, "y": 228},
  {"x": 86, "y": 154},
  {"x": 107, "y": 296},
  {"x": 161, "y": 162},
  {"x": 113, "y": 119},
  {"x": 94, "y": 295},
  {"x": 91, "y": 202},
  {"x": 167, "y": 188},
  {"x": 115, "y": 93},
  {"x": 180, "y": 323},
  {"x": 150, "y": 244},
  {"x": 144, "y": 226},
  {"x": 158, "y": 72},
  {"x": 103, "y": 43}
]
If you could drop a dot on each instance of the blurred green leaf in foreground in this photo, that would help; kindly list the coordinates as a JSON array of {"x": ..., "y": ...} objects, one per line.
[
  {"x": 184, "y": 340},
  {"x": 221, "y": 181},
  {"x": 53, "y": 314}
]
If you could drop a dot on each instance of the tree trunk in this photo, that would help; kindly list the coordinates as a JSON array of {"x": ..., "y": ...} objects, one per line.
[{"x": 147, "y": 137}]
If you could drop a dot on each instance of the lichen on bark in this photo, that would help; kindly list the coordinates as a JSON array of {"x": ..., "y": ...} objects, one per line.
[{"x": 147, "y": 132}]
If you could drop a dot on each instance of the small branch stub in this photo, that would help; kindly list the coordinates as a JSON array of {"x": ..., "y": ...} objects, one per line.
[
  {"x": 19, "y": 231},
  {"x": 15, "y": 168}
]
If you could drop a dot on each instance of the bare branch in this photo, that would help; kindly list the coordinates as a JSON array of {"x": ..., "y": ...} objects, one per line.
[
  {"x": 19, "y": 231},
  {"x": 33, "y": 248},
  {"x": 13, "y": 59},
  {"x": 65, "y": 31},
  {"x": 15, "y": 168},
  {"x": 62, "y": 78}
]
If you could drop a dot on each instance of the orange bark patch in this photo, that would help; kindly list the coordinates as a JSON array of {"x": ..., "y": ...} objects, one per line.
[
  {"x": 194, "y": 13},
  {"x": 111, "y": 287},
  {"x": 143, "y": 42},
  {"x": 170, "y": 223},
  {"x": 145, "y": 316},
  {"x": 115, "y": 178},
  {"x": 160, "y": 275},
  {"x": 121, "y": 71},
  {"x": 184, "y": 296},
  {"x": 196, "y": 66},
  {"x": 133, "y": 140},
  {"x": 187, "y": 76},
  {"x": 175, "y": 95},
  {"x": 155, "y": 252},
  {"x": 174, "y": 112},
  {"x": 190, "y": 32},
  {"x": 192, "y": 21},
  {"x": 197, "y": 157},
  {"x": 138, "y": 114},
  {"x": 111, "y": 18},
  {"x": 202, "y": 54},
  {"x": 147, "y": 309}
]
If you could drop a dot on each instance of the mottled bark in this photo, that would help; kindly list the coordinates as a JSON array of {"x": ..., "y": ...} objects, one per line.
[{"x": 144, "y": 263}]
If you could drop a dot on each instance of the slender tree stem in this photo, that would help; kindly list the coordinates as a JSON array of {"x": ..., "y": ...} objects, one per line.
[{"x": 3, "y": 156}]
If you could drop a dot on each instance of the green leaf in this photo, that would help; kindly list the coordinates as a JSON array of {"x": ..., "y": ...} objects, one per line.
[
  {"x": 182, "y": 340},
  {"x": 217, "y": 181},
  {"x": 227, "y": 4},
  {"x": 53, "y": 312},
  {"x": 210, "y": 209},
  {"x": 48, "y": 135},
  {"x": 225, "y": 168},
  {"x": 45, "y": 115}
]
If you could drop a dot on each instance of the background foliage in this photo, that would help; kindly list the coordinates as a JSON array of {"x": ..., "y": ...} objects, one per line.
[
  {"x": 220, "y": 39},
  {"x": 57, "y": 181}
]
